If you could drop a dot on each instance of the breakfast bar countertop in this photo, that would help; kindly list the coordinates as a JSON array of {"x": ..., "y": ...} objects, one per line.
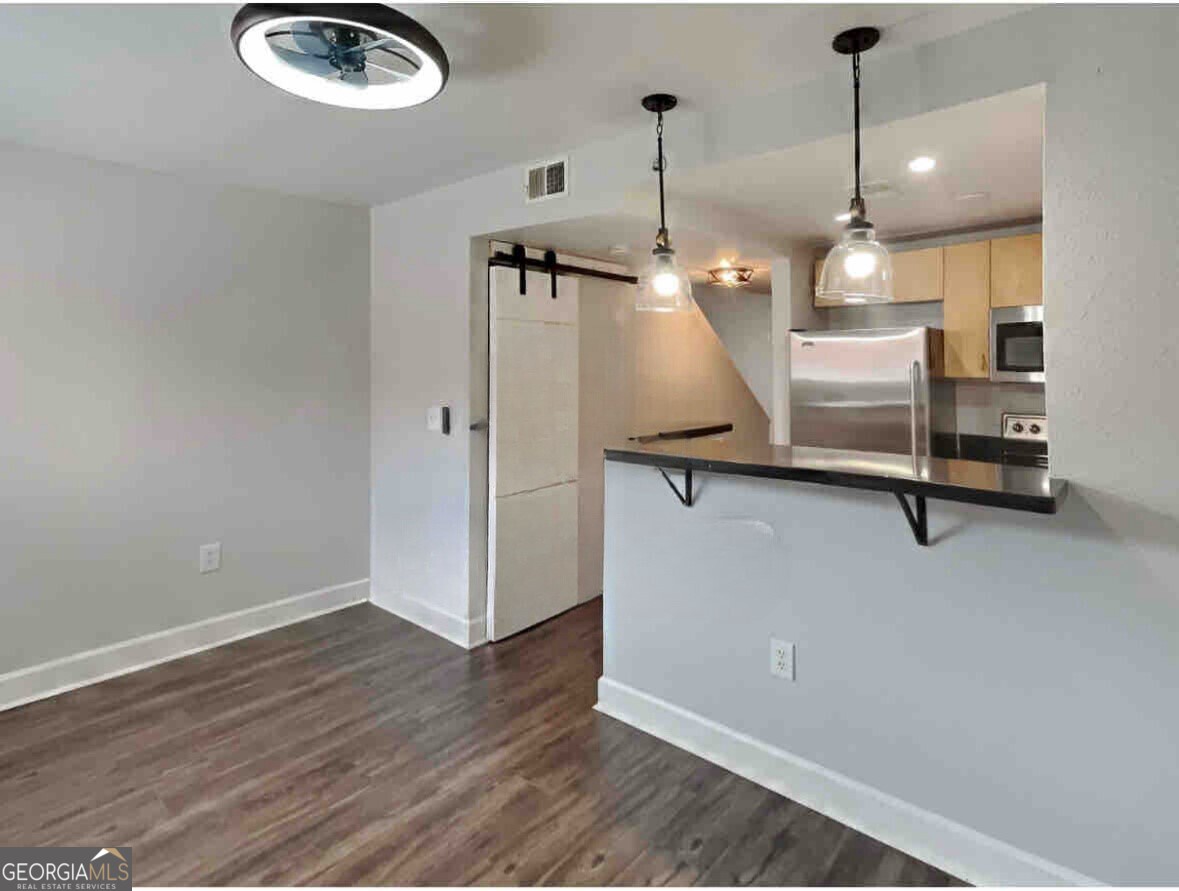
[{"x": 972, "y": 482}]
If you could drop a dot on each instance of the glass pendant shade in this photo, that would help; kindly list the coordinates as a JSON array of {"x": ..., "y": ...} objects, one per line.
[
  {"x": 858, "y": 269},
  {"x": 664, "y": 286}
]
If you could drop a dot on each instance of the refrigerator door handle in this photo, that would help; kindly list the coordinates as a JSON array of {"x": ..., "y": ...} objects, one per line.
[{"x": 914, "y": 372}]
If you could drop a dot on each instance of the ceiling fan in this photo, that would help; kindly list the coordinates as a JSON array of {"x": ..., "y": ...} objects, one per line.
[{"x": 359, "y": 55}]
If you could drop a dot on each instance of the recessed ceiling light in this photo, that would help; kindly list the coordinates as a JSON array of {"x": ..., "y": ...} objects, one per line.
[
  {"x": 619, "y": 249},
  {"x": 353, "y": 55},
  {"x": 973, "y": 196},
  {"x": 843, "y": 217},
  {"x": 922, "y": 164}
]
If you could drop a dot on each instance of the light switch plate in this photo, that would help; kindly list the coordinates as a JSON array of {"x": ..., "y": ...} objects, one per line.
[
  {"x": 210, "y": 557},
  {"x": 438, "y": 419}
]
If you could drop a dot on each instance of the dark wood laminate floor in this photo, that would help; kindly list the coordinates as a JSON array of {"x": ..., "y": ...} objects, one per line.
[{"x": 358, "y": 749}]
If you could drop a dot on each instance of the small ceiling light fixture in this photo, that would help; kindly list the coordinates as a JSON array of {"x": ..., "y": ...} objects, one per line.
[
  {"x": 922, "y": 164},
  {"x": 355, "y": 55},
  {"x": 858, "y": 269},
  {"x": 730, "y": 276},
  {"x": 664, "y": 286}
]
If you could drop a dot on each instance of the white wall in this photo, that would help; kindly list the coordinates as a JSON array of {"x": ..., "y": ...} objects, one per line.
[{"x": 179, "y": 364}]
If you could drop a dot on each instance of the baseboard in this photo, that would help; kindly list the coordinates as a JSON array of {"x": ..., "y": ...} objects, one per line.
[
  {"x": 70, "y": 672},
  {"x": 959, "y": 850},
  {"x": 466, "y": 633}
]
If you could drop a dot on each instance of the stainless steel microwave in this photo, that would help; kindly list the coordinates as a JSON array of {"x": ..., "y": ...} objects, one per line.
[{"x": 1017, "y": 344}]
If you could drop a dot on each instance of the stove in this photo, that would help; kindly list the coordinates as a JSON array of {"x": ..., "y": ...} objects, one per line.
[{"x": 1025, "y": 440}]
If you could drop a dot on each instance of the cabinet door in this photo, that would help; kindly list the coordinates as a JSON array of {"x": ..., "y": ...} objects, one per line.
[
  {"x": 968, "y": 309},
  {"x": 917, "y": 275},
  {"x": 1017, "y": 277}
]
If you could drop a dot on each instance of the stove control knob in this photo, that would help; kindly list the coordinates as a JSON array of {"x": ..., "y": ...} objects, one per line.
[
  {"x": 1035, "y": 428},
  {"x": 1017, "y": 427}
]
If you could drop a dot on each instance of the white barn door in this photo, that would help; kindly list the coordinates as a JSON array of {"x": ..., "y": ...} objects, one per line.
[{"x": 532, "y": 459}]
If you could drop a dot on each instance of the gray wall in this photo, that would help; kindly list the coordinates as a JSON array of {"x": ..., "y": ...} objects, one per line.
[
  {"x": 742, "y": 321},
  {"x": 179, "y": 364},
  {"x": 1015, "y": 677}
]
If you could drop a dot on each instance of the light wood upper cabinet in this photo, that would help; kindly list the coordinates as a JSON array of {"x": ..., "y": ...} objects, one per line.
[
  {"x": 967, "y": 309},
  {"x": 917, "y": 277},
  {"x": 1017, "y": 277}
]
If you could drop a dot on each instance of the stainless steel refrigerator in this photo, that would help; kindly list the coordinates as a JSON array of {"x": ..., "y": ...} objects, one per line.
[{"x": 868, "y": 390}]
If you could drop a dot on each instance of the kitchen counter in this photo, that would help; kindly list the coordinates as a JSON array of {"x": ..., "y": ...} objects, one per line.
[{"x": 972, "y": 482}]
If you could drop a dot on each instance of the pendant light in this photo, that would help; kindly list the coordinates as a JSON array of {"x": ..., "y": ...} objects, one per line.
[
  {"x": 858, "y": 269},
  {"x": 355, "y": 55},
  {"x": 664, "y": 286}
]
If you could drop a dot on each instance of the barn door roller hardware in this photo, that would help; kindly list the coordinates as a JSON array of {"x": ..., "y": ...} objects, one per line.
[{"x": 519, "y": 259}]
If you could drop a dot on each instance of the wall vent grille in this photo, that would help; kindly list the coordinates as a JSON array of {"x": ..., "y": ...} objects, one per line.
[{"x": 548, "y": 179}]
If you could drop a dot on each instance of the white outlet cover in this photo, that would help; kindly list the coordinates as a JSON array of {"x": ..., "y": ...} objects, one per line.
[
  {"x": 210, "y": 557},
  {"x": 782, "y": 659}
]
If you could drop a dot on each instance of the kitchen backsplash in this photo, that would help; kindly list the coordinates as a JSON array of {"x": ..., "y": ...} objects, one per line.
[{"x": 980, "y": 405}]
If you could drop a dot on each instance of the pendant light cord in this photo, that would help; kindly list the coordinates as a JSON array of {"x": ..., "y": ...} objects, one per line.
[
  {"x": 858, "y": 201},
  {"x": 662, "y": 210}
]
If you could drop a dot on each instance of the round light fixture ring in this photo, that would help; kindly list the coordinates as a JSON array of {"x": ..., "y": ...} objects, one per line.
[{"x": 411, "y": 58}]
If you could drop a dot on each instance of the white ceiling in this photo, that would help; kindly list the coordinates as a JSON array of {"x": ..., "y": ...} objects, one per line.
[
  {"x": 158, "y": 86},
  {"x": 989, "y": 170},
  {"x": 747, "y": 210}
]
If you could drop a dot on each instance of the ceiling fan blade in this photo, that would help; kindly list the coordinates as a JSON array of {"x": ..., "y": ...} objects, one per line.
[
  {"x": 311, "y": 42},
  {"x": 371, "y": 45},
  {"x": 413, "y": 63},
  {"x": 304, "y": 62},
  {"x": 397, "y": 74},
  {"x": 354, "y": 78}
]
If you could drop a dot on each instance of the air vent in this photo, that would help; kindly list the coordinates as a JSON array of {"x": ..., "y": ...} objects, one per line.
[{"x": 548, "y": 179}]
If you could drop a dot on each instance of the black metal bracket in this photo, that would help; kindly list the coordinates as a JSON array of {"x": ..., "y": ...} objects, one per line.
[
  {"x": 550, "y": 260},
  {"x": 685, "y": 497},
  {"x": 521, "y": 258},
  {"x": 917, "y": 522}
]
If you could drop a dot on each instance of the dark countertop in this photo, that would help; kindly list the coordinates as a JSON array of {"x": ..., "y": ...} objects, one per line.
[
  {"x": 972, "y": 482},
  {"x": 684, "y": 430}
]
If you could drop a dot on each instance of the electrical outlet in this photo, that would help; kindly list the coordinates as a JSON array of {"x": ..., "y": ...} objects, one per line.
[
  {"x": 782, "y": 659},
  {"x": 210, "y": 560}
]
